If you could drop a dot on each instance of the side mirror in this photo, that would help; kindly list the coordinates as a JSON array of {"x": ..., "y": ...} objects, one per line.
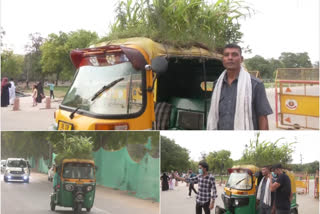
[
  {"x": 159, "y": 65},
  {"x": 96, "y": 168}
]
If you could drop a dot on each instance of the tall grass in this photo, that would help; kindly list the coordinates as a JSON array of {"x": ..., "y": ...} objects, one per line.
[{"x": 181, "y": 22}]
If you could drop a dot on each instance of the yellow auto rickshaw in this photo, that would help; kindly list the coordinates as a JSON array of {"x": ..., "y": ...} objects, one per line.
[
  {"x": 239, "y": 196},
  {"x": 139, "y": 84}
]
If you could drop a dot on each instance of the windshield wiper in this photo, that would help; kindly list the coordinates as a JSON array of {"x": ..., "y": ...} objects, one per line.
[
  {"x": 106, "y": 87},
  {"x": 240, "y": 181},
  {"x": 72, "y": 113}
]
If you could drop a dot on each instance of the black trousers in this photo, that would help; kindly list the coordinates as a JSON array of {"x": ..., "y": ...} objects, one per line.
[
  {"x": 191, "y": 187},
  {"x": 51, "y": 94},
  {"x": 204, "y": 206}
]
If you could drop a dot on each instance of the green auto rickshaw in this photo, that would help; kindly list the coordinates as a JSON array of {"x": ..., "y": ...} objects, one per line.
[
  {"x": 239, "y": 196},
  {"x": 75, "y": 185}
]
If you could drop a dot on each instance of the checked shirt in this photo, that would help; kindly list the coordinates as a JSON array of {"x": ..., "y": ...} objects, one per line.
[{"x": 205, "y": 186}]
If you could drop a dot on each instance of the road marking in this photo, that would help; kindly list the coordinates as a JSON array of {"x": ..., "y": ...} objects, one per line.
[{"x": 100, "y": 210}]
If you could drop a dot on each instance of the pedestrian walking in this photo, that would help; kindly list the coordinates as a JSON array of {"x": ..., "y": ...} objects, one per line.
[
  {"x": 34, "y": 95},
  {"x": 164, "y": 182},
  {"x": 40, "y": 94},
  {"x": 5, "y": 85},
  {"x": 12, "y": 92},
  {"x": 51, "y": 87},
  {"x": 191, "y": 184}
]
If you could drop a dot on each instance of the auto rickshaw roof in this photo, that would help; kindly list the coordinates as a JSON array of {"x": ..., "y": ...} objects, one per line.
[
  {"x": 75, "y": 160},
  {"x": 154, "y": 49},
  {"x": 250, "y": 168}
]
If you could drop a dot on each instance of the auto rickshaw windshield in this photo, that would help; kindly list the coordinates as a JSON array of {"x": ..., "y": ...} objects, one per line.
[
  {"x": 78, "y": 171},
  {"x": 122, "y": 98},
  {"x": 240, "y": 181}
]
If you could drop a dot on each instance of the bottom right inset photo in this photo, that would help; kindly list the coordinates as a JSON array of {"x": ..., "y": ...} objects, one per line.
[{"x": 229, "y": 172}]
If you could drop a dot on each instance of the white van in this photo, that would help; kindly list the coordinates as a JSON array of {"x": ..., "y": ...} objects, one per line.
[{"x": 17, "y": 169}]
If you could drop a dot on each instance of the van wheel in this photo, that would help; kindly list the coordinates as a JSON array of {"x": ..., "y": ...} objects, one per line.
[
  {"x": 52, "y": 205},
  {"x": 27, "y": 181},
  {"x": 88, "y": 209}
]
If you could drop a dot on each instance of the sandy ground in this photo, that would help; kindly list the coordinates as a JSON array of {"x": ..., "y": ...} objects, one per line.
[{"x": 176, "y": 201}]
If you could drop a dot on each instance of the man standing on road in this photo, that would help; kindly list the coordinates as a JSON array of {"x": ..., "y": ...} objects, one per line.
[
  {"x": 282, "y": 187},
  {"x": 191, "y": 185},
  {"x": 239, "y": 100},
  {"x": 206, "y": 184},
  {"x": 264, "y": 193}
]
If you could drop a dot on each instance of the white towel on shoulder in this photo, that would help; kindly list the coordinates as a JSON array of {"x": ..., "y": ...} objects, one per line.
[
  {"x": 267, "y": 192},
  {"x": 243, "y": 112}
]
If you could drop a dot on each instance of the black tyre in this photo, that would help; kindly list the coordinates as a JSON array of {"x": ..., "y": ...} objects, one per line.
[
  {"x": 88, "y": 209},
  {"x": 27, "y": 181},
  {"x": 52, "y": 205},
  {"x": 78, "y": 208},
  {"x": 294, "y": 211}
]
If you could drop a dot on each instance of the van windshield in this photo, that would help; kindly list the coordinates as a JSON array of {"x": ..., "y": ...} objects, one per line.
[
  {"x": 240, "y": 181},
  {"x": 78, "y": 171},
  {"x": 17, "y": 163},
  {"x": 122, "y": 98}
]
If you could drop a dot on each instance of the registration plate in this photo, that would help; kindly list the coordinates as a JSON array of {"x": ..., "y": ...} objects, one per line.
[{"x": 64, "y": 126}]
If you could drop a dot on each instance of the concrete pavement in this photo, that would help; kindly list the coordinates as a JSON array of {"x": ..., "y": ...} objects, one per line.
[{"x": 29, "y": 118}]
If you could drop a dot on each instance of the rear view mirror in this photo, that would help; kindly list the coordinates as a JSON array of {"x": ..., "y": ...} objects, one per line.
[
  {"x": 96, "y": 168},
  {"x": 159, "y": 65}
]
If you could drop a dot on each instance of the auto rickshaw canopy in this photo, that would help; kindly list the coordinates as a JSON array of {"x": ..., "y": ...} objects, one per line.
[
  {"x": 154, "y": 49},
  {"x": 251, "y": 169}
]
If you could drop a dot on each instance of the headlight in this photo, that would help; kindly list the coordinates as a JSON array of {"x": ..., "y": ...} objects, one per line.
[
  {"x": 89, "y": 188},
  {"x": 69, "y": 187},
  {"x": 79, "y": 197},
  {"x": 236, "y": 202},
  {"x": 8, "y": 170}
]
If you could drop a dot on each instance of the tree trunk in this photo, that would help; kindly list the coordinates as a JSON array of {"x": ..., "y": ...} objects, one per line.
[{"x": 57, "y": 79}]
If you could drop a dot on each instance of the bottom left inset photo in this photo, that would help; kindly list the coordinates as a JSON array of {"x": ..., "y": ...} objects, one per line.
[{"x": 80, "y": 172}]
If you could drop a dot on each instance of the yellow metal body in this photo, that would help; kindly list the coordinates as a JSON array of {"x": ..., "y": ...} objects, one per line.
[
  {"x": 302, "y": 105},
  {"x": 297, "y": 94},
  {"x": 149, "y": 49}
]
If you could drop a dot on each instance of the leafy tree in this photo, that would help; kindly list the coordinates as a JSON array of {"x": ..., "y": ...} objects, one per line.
[
  {"x": 309, "y": 168},
  {"x": 219, "y": 161},
  {"x": 295, "y": 60},
  {"x": 180, "y": 22},
  {"x": 33, "y": 70},
  {"x": 2, "y": 33},
  {"x": 11, "y": 64},
  {"x": 267, "y": 153},
  {"x": 194, "y": 165},
  {"x": 173, "y": 156},
  {"x": 56, "y": 49}
]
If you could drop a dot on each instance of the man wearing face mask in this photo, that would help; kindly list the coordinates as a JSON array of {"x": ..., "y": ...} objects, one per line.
[
  {"x": 282, "y": 188},
  {"x": 264, "y": 194},
  {"x": 206, "y": 185}
]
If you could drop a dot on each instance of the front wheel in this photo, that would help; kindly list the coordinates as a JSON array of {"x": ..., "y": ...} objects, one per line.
[
  {"x": 294, "y": 211},
  {"x": 78, "y": 208},
  {"x": 52, "y": 205},
  {"x": 88, "y": 209}
]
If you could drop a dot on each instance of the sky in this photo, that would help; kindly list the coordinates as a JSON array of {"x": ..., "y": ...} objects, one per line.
[
  {"x": 276, "y": 26},
  {"x": 203, "y": 141}
]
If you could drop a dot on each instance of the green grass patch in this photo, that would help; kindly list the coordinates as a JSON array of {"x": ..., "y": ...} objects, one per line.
[{"x": 59, "y": 91}]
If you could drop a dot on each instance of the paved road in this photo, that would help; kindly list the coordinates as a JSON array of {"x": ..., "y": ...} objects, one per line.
[
  {"x": 28, "y": 118},
  {"x": 33, "y": 198},
  {"x": 176, "y": 201},
  {"x": 40, "y": 119}
]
